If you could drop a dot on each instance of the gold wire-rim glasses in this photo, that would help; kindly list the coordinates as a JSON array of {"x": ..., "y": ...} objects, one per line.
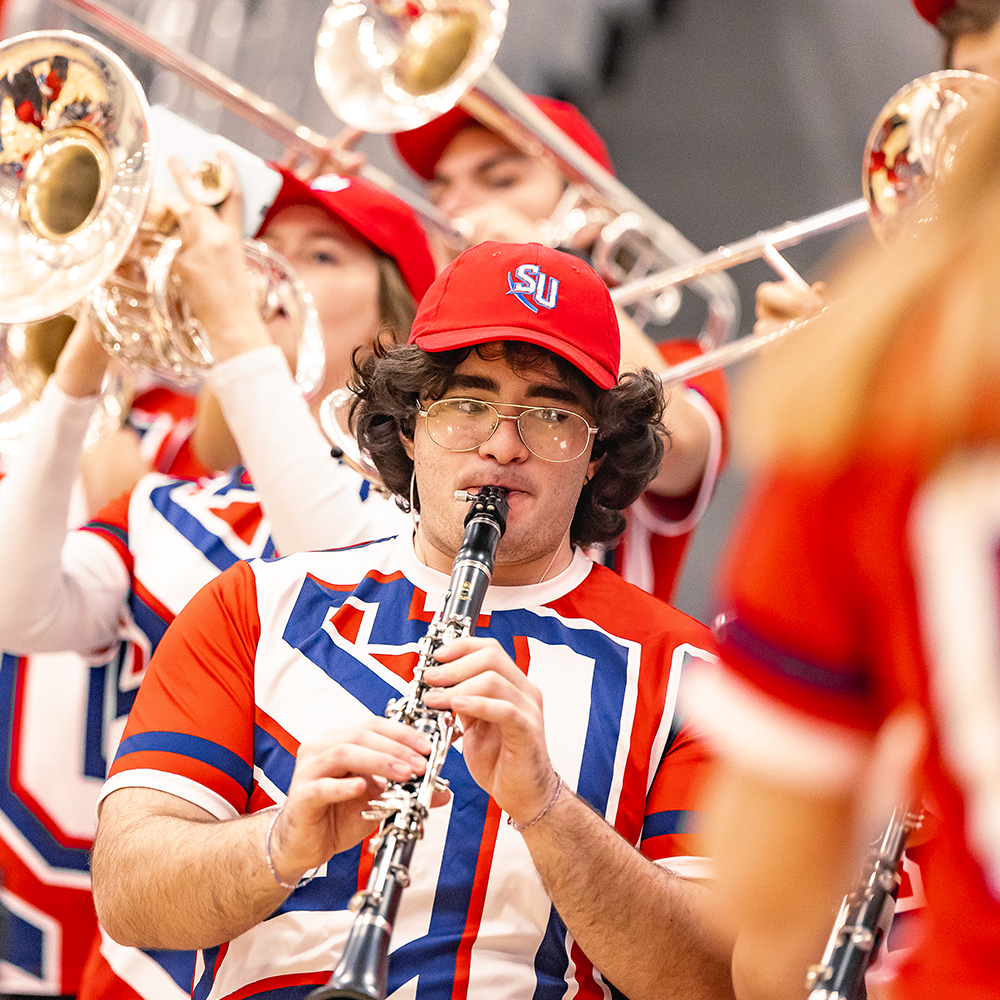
[{"x": 574, "y": 419}]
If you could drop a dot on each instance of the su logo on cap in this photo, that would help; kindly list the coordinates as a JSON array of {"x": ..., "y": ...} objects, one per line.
[{"x": 543, "y": 288}]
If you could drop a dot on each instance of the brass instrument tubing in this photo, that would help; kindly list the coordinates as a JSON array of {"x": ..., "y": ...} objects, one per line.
[{"x": 253, "y": 108}]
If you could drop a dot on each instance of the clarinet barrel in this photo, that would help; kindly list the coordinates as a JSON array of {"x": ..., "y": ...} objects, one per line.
[
  {"x": 362, "y": 971},
  {"x": 864, "y": 918}
]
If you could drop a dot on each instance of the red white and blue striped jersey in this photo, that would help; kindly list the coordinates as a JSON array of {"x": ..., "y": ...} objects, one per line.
[{"x": 277, "y": 652}]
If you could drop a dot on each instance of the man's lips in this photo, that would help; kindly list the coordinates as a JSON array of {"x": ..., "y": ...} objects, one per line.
[{"x": 511, "y": 488}]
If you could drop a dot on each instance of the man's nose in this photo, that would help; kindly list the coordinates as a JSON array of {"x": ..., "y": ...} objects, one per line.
[
  {"x": 456, "y": 198},
  {"x": 505, "y": 444}
]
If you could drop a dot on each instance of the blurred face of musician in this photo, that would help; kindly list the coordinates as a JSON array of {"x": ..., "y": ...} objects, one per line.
[
  {"x": 479, "y": 168},
  {"x": 542, "y": 495},
  {"x": 341, "y": 273},
  {"x": 978, "y": 52}
]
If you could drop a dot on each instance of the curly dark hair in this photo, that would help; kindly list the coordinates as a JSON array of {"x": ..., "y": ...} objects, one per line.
[{"x": 391, "y": 380}]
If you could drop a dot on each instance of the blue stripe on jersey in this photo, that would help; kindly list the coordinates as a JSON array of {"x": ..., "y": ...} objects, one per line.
[
  {"x": 24, "y": 945},
  {"x": 551, "y": 955},
  {"x": 95, "y": 764},
  {"x": 204, "y": 985},
  {"x": 110, "y": 529},
  {"x": 179, "y": 965},
  {"x": 207, "y": 542},
  {"x": 53, "y": 853},
  {"x": 663, "y": 823},
  {"x": 273, "y": 759},
  {"x": 150, "y": 623},
  {"x": 827, "y": 678},
  {"x": 607, "y": 694},
  {"x": 195, "y": 747},
  {"x": 304, "y": 631},
  {"x": 433, "y": 955}
]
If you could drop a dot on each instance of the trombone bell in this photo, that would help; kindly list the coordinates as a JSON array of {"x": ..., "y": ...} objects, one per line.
[{"x": 388, "y": 65}]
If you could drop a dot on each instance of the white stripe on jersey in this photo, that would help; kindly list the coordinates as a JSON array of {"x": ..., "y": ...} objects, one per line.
[{"x": 955, "y": 538}]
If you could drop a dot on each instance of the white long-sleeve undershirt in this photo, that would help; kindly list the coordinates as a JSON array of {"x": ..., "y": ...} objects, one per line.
[{"x": 312, "y": 500}]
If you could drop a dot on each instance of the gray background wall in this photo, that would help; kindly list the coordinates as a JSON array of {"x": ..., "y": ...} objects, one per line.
[{"x": 726, "y": 117}]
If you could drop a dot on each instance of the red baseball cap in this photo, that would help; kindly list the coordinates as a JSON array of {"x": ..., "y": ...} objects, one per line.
[
  {"x": 528, "y": 292},
  {"x": 375, "y": 215},
  {"x": 421, "y": 148},
  {"x": 931, "y": 10}
]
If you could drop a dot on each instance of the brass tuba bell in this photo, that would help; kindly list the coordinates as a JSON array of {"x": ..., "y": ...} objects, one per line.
[{"x": 76, "y": 226}]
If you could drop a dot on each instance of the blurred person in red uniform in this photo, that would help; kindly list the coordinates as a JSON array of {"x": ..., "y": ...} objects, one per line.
[
  {"x": 504, "y": 194},
  {"x": 860, "y": 639}
]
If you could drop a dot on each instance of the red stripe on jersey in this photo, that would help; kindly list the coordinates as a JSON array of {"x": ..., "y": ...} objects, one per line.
[
  {"x": 277, "y": 732},
  {"x": 401, "y": 664},
  {"x": 17, "y": 745},
  {"x": 477, "y": 900},
  {"x": 347, "y": 621},
  {"x": 70, "y": 908},
  {"x": 366, "y": 862},
  {"x": 522, "y": 655},
  {"x": 154, "y": 604},
  {"x": 584, "y": 974},
  {"x": 223, "y": 950},
  {"x": 651, "y": 699},
  {"x": 99, "y": 980},
  {"x": 263, "y": 986},
  {"x": 111, "y": 524},
  {"x": 417, "y": 603},
  {"x": 372, "y": 575},
  {"x": 243, "y": 518},
  {"x": 418, "y": 607},
  {"x": 259, "y": 800}
]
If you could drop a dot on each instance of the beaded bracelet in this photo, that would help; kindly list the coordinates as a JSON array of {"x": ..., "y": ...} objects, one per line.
[
  {"x": 306, "y": 878},
  {"x": 552, "y": 802}
]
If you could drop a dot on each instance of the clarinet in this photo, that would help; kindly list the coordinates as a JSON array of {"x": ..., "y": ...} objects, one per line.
[
  {"x": 402, "y": 808},
  {"x": 864, "y": 918}
]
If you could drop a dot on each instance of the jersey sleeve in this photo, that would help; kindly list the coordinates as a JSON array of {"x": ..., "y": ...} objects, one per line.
[
  {"x": 164, "y": 420},
  {"x": 709, "y": 394},
  {"x": 191, "y": 729},
  {"x": 794, "y": 694},
  {"x": 670, "y": 832}
]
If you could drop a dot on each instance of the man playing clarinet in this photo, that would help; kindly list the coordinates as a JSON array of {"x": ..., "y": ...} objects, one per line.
[{"x": 561, "y": 859}]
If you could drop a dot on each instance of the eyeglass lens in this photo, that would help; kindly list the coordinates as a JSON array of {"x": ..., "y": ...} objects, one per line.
[{"x": 548, "y": 432}]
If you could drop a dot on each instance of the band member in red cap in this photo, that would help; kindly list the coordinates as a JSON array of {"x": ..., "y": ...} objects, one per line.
[
  {"x": 232, "y": 818},
  {"x": 108, "y": 590},
  {"x": 505, "y": 194}
]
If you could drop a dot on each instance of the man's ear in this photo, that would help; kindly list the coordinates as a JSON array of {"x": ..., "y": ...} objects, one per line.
[{"x": 407, "y": 444}]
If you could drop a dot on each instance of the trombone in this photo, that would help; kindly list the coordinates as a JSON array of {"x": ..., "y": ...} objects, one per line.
[
  {"x": 912, "y": 142},
  {"x": 385, "y": 71},
  {"x": 262, "y": 114}
]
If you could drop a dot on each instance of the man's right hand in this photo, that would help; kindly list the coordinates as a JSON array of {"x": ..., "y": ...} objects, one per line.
[{"x": 333, "y": 782}]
